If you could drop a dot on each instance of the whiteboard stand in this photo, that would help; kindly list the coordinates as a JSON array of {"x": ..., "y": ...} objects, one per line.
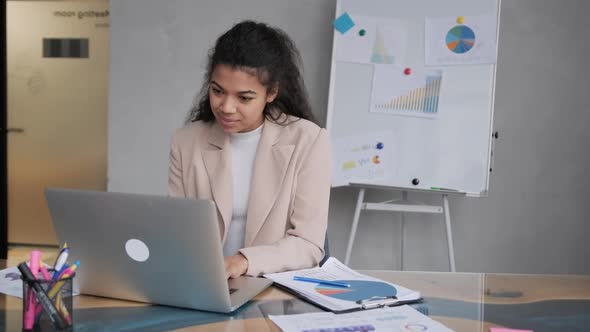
[{"x": 404, "y": 206}]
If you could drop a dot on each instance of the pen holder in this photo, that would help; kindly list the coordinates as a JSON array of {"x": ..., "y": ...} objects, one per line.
[{"x": 47, "y": 304}]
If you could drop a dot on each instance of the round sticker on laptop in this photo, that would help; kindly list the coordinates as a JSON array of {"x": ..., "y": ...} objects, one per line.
[{"x": 137, "y": 250}]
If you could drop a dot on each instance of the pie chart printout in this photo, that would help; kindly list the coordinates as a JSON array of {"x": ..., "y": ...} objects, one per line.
[
  {"x": 460, "y": 39},
  {"x": 358, "y": 290}
]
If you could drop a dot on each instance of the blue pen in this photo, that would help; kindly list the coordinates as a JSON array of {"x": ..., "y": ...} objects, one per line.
[
  {"x": 57, "y": 273},
  {"x": 323, "y": 282}
]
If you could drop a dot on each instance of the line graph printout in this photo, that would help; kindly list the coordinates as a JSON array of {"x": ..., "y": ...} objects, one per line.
[{"x": 406, "y": 91}]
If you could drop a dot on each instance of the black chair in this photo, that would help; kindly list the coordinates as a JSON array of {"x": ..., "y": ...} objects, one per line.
[{"x": 326, "y": 251}]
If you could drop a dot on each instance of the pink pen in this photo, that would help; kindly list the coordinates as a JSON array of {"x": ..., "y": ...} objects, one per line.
[
  {"x": 44, "y": 271},
  {"x": 30, "y": 310},
  {"x": 46, "y": 276}
]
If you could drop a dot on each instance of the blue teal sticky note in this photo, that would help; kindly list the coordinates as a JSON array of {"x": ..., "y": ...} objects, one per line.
[{"x": 343, "y": 23}]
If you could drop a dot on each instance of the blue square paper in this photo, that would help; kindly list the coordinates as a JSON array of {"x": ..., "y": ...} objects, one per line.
[{"x": 343, "y": 23}]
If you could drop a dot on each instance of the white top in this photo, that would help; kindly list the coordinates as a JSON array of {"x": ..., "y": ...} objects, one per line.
[{"x": 243, "y": 150}]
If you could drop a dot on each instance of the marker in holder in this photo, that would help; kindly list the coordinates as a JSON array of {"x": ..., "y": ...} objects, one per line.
[{"x": 47, "y": 304}]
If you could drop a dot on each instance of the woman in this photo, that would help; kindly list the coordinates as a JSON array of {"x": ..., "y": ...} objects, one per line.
[{"x": 251, "y": 146}]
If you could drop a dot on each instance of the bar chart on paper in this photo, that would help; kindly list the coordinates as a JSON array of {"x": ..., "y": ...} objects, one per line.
[
  {"x": 402, "y": 94},
  {"x": 382, "y": 53}
]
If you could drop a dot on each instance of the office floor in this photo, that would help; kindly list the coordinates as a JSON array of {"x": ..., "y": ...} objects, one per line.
[{"x": 20, "y": 253}]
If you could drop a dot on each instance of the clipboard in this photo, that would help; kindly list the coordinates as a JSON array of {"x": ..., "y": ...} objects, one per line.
[
  {"x": 365, "y": 292},
  {"x": 364, "y": 306}
]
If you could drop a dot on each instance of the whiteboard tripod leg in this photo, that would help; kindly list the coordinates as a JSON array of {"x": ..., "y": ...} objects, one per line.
[
  {"x": 355, "y": 222},
  {"x": 449, "y": 232},
  {"x": 403, "y": 235}
]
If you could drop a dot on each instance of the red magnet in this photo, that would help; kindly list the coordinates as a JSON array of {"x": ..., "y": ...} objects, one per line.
[{"x": 407, "y": 71}]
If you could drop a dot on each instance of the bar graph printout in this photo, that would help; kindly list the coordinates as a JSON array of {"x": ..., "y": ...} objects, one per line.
[
  {"x": 373, "y": 40},
  {"x": 406, "y": 91}
]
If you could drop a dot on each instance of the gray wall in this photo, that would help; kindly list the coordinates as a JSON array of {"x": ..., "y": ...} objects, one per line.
[
  {"x": 158, "y": 58},
  {"x": 533, "y": 220}
]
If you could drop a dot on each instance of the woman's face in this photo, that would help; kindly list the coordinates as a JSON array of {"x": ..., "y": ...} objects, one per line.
[{"x": 237, "y": 99}]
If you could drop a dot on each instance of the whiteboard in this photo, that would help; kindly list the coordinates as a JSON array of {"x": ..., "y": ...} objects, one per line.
[{"x": 445, "y": 146}]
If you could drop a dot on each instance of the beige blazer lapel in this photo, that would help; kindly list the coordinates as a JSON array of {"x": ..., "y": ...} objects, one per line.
[
  {"x": 217, "y": 161},
  {"x": 270, "y": 167}
]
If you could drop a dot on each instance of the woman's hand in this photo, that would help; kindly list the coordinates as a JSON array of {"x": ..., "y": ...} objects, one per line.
[{"x": 235, "y": 266}]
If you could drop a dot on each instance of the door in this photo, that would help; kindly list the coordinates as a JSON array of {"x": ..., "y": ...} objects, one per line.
[{"x": 57, "y": 59}]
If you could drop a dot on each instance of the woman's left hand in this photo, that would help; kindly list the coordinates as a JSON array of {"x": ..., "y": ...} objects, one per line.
[{"x": 235, "y": 266}]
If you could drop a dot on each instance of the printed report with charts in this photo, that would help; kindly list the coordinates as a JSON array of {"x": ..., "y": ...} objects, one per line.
[{"x": 364, "y": 292}]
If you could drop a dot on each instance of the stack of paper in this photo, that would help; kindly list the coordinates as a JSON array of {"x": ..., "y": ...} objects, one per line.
[{"x": 364, "y": 292}]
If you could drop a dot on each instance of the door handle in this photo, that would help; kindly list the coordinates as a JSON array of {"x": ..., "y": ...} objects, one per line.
[{"x": 15, "y": 130}]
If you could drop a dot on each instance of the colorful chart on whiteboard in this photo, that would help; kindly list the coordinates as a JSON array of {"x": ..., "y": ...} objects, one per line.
[
  {"x": 362, "y": 158},
  {"x": 406, "y": 91},
  {"x": 372, "y": 40},
  {"x": 462, "y": 40}
]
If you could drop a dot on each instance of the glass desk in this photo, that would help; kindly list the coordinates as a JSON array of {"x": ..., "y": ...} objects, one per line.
[{"x": 470, "y": 302}]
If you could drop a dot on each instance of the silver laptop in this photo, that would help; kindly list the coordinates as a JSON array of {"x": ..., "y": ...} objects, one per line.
[{"x": 147, "y": 248}]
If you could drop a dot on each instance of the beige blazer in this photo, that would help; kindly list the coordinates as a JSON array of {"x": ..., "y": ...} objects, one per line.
[{"x": 289, "y": 194}]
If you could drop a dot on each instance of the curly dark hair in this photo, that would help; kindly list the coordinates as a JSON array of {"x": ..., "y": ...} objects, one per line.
[{"x": 268, "y": 53}]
